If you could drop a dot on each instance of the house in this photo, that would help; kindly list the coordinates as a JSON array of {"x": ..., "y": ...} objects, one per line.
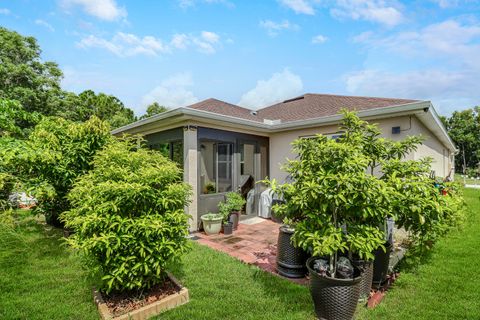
[{"x": 224, "y": 147}]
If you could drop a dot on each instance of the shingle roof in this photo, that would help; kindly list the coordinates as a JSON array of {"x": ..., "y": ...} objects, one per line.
[
  {"x": 310, "y": 106},
  {"x": 307, "y": 106},
  {"x": 224, "y": 108}
]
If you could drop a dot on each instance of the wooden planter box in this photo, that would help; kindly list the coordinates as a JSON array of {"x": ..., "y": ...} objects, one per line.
[{"x": 148, "y": 310}]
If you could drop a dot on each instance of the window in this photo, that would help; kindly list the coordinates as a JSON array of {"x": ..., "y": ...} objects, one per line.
[
  {"x": 216, "y": 167},
  {"x": 172, "y": 150},
  {"x": 224, "y": 167}
]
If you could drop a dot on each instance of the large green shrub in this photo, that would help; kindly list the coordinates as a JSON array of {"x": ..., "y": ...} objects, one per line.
[
  {"x": 420, "y": 207},
  {"x": 128, "y": 216},
  {"x": 343, "y": 190},
  {"x": 335, "y": 203},
  {"x": 56, "y": 152}
]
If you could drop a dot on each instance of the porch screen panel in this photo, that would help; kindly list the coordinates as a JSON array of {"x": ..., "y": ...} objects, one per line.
[{"x": 224, "y": 160}]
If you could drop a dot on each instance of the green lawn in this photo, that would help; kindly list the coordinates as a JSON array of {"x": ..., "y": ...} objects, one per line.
[
  {"x": 459, "y": 178},
  {"x": 41, "y": 279},
  {"x": 448, "y": 285}
]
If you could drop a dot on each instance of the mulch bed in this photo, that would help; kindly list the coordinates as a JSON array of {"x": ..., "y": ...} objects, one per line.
[{"x": 122, "y": 302}]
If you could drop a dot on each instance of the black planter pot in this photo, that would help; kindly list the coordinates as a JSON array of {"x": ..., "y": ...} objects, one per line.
[
  {"x": 380, "y": 265},
  {"x": 290, "y": 260},
  {"x": 333, "y": 298},
  {"x": 234, "y": 218},
  {"x": 227, "y": 228},
  {"x": 366, "y": 269}
]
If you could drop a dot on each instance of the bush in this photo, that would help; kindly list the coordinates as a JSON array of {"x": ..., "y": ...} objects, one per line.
[
  {"x": 128, "y": 216},
  {"x": 54, "y": 155},
  {"x": 6, "y": 187}
]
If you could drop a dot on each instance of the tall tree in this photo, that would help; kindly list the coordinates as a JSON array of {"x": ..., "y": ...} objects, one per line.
[
  {"x": 35, "y": 83},
  {"x": 464, "y": 128},
  {"x": 105, "y": 107},
  {"x": 24, "y": 76},
  {"x": 153, "y": 109}
]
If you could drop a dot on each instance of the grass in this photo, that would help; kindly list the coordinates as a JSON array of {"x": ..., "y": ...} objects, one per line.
[
  {"x": 459, "y": 178},
  {"x": 41, "y": 279},
  {"x": 223, "y": 288},
  {"x": 447, "y": 286}
]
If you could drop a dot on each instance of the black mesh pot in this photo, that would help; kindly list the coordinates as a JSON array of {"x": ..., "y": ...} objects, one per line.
[
  {"x": 227, "y": 228},
  {"x": 380, "y": 265},
  {"x": 366, "y": 269},
  {"x": 234, "y": 217},
  {"x": 290, "y": 260},
  {"x": 333, "y": 298}
]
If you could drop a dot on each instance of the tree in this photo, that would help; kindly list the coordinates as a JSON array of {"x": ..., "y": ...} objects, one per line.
[
  {"x": 464, "y": 128},
  {"x": 153, "y": 109},
  {"x": 35, "y": 84},
  {"x": 13, "y": 116},
  {"x": 24, "y": 76},
  {"x": 106, "y": 107}
]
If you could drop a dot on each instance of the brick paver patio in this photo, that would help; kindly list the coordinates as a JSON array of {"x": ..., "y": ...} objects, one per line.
[{"x": 254, "y": 243}]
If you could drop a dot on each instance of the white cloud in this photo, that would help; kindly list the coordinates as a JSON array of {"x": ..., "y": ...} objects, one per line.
[
  {"x": 381, "y": 11},
  {"x": 448, "y": 39},
  {"x": 274, "y": 28},
  {"x": 449, "y": 48},
  {"x": 172, "y": 92},
  {"x": 180, "y": 41},
  {"x": 319, "y": 39},
  {"x": 45, "y": 24},
  {"x": 210, "y": 37},
  {"x": 281, "y": 86},
  {"x": 299, "y": 6},
  {"x": 5, "y": 11},
  {"x": 191, "y": 3},
  {"x": 107, "y": 10},
  {"x": 127, "y": 44},
  {"x": 446, "y": 89},
  {"x": 446, "y": 3}
]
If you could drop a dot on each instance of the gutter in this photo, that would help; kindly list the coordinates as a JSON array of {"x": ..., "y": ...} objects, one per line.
[{"x": 420, "y": 108}]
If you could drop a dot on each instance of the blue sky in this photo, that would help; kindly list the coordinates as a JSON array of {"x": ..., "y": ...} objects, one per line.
[{"x": 255, "y": 53}]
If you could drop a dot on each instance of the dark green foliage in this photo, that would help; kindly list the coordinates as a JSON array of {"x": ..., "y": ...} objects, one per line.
[
  {"x": 105, "y": 107},
  {"x": 35, "y": 84},
  {"x": 54, "y": 155},
  {"x": 24, "y": 76},
  {"x": 464, "y": 128},
  {"x": 153, "y": 109},
  {"x": 128, "y": 216},
  {"x": 13, "y": 117}
]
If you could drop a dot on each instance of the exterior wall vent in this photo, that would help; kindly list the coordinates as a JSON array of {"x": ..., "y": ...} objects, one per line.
[
  {"x": 396, "y": 130},
  {"x": 253, "y": 113}
]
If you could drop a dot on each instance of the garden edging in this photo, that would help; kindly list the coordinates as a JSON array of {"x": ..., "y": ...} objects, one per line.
[{"x": 147, "y": 311}]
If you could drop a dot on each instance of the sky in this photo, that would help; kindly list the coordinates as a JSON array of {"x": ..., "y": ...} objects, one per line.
[{"x": 256, "y": 53}]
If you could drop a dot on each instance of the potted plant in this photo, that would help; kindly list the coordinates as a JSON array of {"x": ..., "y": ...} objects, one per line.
[
  {"x": 227, "y": 228},
  {"x": 212, "y": 223},
  {"x": 231, "y": 208},
  {"x": 338, "y": 207}
]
